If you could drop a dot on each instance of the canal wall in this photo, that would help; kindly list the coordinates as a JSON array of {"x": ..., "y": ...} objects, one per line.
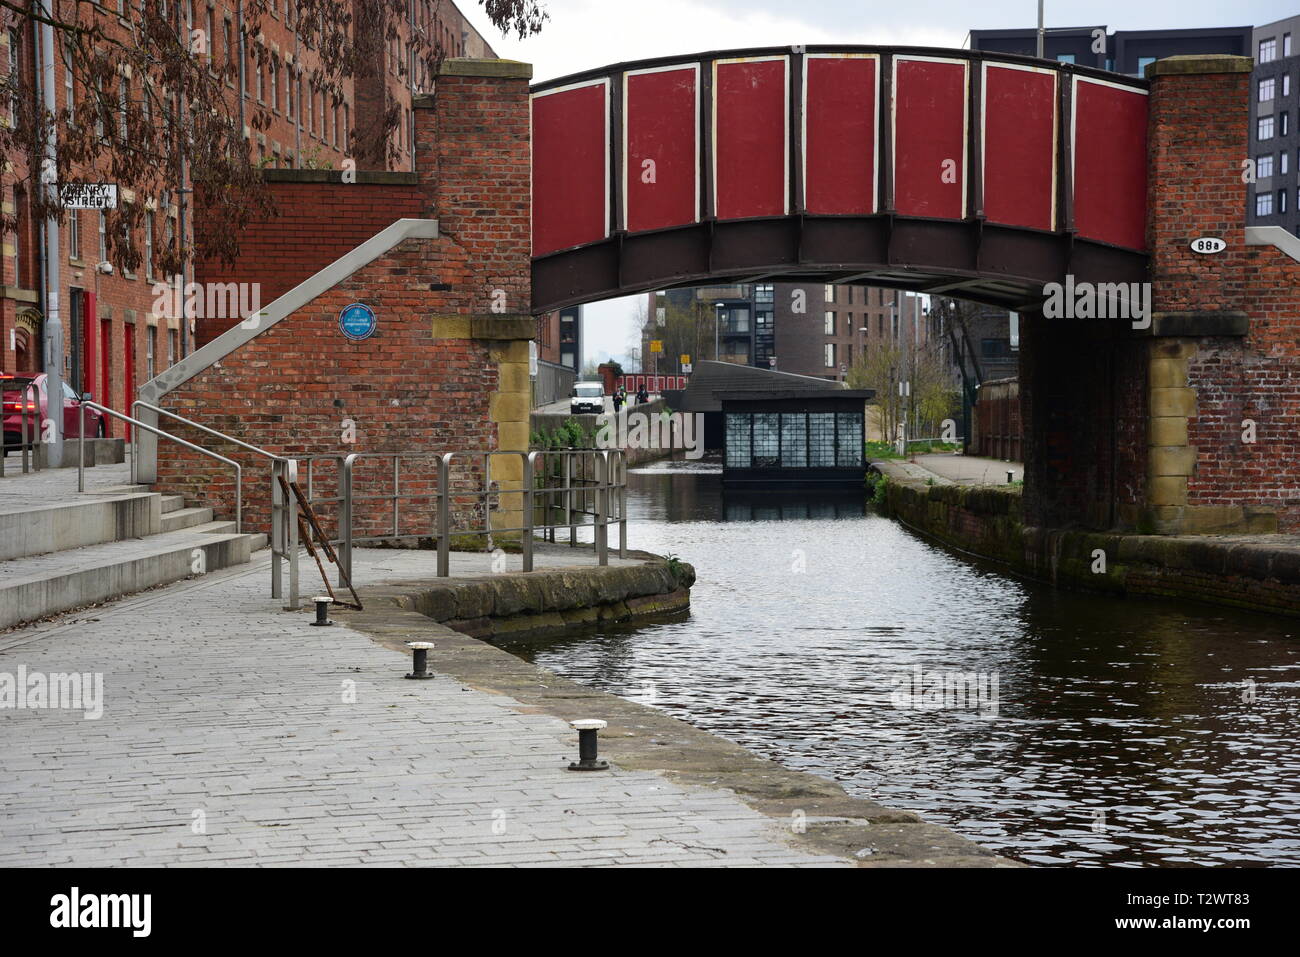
[
  {"x": 542, "y": 603},
  {"x": 810, "y": 813},
  {"x": 1257, "y": 572}
]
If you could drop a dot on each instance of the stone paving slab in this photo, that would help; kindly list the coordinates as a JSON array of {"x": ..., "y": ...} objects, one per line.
[{"x": 233, "y": 733}]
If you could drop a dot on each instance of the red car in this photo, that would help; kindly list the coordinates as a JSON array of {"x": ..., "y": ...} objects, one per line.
[{"x": 12, "y": 397}]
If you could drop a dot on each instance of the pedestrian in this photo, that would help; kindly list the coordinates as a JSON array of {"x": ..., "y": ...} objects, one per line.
[
  {"x": 642, "y": 396},
  {"x": 618, "y": 400}
]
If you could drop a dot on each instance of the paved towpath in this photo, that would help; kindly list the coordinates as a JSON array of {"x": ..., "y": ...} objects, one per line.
[{"x": 234, "y": 733}]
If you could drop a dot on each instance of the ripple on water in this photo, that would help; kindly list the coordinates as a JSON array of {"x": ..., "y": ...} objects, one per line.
[{"x": 1123, "y": 733}]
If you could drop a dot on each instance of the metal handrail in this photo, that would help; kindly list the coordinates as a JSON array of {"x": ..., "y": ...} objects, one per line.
[
  {"x": 280, "y": 464},
  {"x": 202, "y": 428},
  {"x": 81, "y": 455}
]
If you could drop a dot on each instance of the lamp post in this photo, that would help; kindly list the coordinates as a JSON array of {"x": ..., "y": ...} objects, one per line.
[{"x": 718, "y": 309}]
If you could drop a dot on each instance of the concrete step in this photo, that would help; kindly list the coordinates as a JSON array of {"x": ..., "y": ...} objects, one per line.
[
  {"x": 32, "y": 588},
  {"x": 172, "y": 503},
  {"x": 185, "y": 518},
  {"x": 34, "y": 527}
]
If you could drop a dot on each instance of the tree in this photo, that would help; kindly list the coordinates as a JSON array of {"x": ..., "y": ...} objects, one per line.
[
  {"x": 154, "y": 107},
  {"x": 932, "y": 395},
  {"x": 685, "y": 330}
]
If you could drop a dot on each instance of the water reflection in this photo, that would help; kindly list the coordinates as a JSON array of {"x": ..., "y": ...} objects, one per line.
[{"x": 1126, "y": 732}]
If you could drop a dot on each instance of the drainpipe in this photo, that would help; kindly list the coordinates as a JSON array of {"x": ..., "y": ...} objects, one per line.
[
  {"x": 182, "y": 191},
  {"x": 52, "y": 329}
]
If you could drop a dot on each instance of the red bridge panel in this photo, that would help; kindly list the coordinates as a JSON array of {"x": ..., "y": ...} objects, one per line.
[
  {"x": 751, "y": 150},
  {"x": 570, "y": 166},
  {"x": 1110, "y": 163},
  {"x": 930, "y": 137},
  {"x": 1019, "y": 146},
  {"x": 662, "y": 148},
  {"x": 840, "y": 132}
]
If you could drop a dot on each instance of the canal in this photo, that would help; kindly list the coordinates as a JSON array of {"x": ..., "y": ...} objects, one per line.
[{"x": 1104, "y": 732}]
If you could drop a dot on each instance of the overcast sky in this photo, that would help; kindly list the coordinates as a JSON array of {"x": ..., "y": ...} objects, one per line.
[{"x": 582, "y": 34}]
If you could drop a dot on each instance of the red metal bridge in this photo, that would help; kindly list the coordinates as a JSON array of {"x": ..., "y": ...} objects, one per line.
[{"x": 945, "y": 171}]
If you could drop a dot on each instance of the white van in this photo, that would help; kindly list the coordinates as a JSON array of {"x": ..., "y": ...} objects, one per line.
[{"x": 588, "y": 397}]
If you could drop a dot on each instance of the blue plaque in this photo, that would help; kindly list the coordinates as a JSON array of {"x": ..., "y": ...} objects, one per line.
[{"x": 358, "y": 321}]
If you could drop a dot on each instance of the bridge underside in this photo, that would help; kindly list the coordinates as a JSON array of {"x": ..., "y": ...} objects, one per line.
[{"x": 998, "y": 265}]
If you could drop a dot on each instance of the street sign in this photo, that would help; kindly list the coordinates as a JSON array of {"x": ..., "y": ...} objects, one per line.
[
  {"x": 88, "y": 195},
  {"x": 357, "y": 321},
  {"x": 684, "y": 359},
  {"x": 686, "y": 368},
  {"x": 771, "y": 362},
  {"x": 532, "y": 358},
  {"x": 656, "y": 345}
]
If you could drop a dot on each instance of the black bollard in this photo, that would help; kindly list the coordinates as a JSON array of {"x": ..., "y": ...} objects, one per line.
[
  {"x": 420, "y": 664},
  {"x": 323, "y": 603},
  {"x": 587, "y": 759}
]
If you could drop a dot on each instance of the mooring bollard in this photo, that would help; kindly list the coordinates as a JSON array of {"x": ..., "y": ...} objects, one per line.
[
  {"x": 323, "y": 603},
  {"x": 420, "y": 666},
  {"x": 587, "y": 760},
  {"x": 1010, "y": 476}
]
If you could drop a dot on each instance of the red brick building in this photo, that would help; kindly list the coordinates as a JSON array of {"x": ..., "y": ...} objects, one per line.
[{"x": 114, "y": 337}]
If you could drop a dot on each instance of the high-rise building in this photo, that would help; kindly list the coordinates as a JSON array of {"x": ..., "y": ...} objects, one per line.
[{"x": 1274, "y": 198}]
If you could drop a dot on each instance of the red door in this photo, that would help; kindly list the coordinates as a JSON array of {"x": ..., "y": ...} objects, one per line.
[
  {"x": 129, "y": 330},
  {"x": 105, "y": 394}
]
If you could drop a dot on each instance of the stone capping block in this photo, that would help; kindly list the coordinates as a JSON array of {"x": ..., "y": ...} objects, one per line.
[
  {"x": 494, "y": 327},
  {"x": 474, "y": 66},
  {"x": 1227, "y": 323},
  {"x": 1200, "y": 63},
  {"x": 545, "y": 590},
  {"x": 364, "y": 177}
]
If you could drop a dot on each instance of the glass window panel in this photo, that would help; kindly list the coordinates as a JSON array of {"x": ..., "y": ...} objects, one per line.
[
  {"x": 821, "y": 439},
  {"x": 794, "y": 440},
  {"x": 767, "y": 439},
  {"x": 738, "y": 448},
  {"x": 848, "y": 445}
]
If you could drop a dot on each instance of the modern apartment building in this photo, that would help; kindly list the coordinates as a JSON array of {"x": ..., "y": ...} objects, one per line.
[
  {"x": 113, "y": 337},
  {"x": 559, "y": 337},
  {"x": 1121, "y": 51},
  {"x": 1274, "y": 198},
  {"x": 811, "y": 329}
]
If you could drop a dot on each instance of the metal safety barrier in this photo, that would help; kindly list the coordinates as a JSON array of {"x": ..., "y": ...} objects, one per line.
[{"x": 559, "y": 490}]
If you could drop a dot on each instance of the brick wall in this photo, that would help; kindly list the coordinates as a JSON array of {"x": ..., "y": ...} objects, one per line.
[
  {"x": 444, "y": 371},
  {"x": 320, "y": 218},
  {"x": 1238, "y": 312}
]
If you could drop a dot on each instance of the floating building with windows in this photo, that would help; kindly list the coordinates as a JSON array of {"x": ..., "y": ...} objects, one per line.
[{"x": 777, "y": 429}]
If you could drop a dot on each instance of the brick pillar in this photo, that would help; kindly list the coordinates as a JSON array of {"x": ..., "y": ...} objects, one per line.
[
  {"x": 1198, "y": 138},
  {"x": 473, "y": 157}
]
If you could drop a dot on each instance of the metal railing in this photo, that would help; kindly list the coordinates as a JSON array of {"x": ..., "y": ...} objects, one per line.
[
  {"x": 558, "y": 490},
  {"x": 81, "y": 455},
  {"x": 27, "y": 437},
  {"x": 280, "y": 465}
]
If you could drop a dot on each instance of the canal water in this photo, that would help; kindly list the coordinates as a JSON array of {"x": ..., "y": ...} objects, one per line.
[{"x": 1052, "y": 727}]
